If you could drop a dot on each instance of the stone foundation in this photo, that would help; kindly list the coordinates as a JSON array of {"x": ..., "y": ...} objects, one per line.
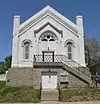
[
  {"x": 32, "y": 77},
  {"x": 20, "y": 77}
]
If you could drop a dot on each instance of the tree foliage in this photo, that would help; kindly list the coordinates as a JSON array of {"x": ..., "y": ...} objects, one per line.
[
  {"x": 92, "y": 51},
  {"x": 4, "y": 65},
  {"x": 7, "y": 62}
]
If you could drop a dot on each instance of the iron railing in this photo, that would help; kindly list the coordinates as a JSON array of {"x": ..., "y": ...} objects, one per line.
[
  {"x": 48, "y": 58},
  {"x": 76, "y": 66},
  {"x": 64, "y": 59}
]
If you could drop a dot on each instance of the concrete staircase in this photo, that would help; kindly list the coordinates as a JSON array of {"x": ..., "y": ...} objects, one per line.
[
  {"x": 49, "y": 95},
  {"x": 68, "y": 65},
  {"x": 82, "y": 75}
]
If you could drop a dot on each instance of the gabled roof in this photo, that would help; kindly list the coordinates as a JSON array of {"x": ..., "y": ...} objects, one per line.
[{"x": 48, "y": 11}]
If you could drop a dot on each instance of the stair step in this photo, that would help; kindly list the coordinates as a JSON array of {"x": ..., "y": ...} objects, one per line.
[
  {"x": 49, "y": 95},
  {"x": 80, "y": 74}
]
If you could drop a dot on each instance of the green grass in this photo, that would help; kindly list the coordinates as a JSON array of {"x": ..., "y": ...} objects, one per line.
[
  {"x": 18, "y": 94},
  {"x": 2, "y": 84},
  {"x": 82, "y": 94}
]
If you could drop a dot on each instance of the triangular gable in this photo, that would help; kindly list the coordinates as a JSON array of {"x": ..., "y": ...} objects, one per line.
[
  {"x": 39, "y": 29},
  {"x": 48, "y": 11}
]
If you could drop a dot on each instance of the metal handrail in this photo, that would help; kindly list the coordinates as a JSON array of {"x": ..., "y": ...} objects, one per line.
[
  {"x": 39, "y": 58},
  {"x": 68, "y": 60},
  {"x": 60, "y": 58},
  {"x": 75, "y": 62},
  {"x": 77, "y": 68}
]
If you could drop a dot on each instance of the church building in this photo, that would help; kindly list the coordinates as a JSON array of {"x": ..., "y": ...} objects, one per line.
[{"x": 48, "y": 52}]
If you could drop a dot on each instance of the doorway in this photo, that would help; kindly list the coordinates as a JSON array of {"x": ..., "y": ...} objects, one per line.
[
  {"x": 48, "y": 56},
  {"x": 49, "y": 80}
]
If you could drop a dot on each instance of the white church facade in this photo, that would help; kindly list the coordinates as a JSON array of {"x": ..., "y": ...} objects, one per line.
[{"x": 47, "y": 50}]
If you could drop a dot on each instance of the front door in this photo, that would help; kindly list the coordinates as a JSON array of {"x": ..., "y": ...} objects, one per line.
[
  {"x": 49, "y": 81},
  {"x": 53, "y": 82},
  {"x": 45, "y": 82},
  {"x": 48, "y": 56}
]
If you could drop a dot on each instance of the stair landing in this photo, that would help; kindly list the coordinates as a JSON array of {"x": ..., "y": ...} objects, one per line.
[{"x": 49, "y": 95}]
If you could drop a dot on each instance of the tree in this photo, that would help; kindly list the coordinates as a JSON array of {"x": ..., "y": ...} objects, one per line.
[
  {"x": 2, "y": 69},
  {"x": 7, "y": 62},
  {"x": 92, "y": 51}
]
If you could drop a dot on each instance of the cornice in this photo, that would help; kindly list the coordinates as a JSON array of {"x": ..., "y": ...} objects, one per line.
[{"x": 66, "y": 23}]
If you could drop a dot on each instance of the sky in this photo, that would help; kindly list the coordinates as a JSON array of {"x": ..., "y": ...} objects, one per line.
[{"x": 89, "y": 9}]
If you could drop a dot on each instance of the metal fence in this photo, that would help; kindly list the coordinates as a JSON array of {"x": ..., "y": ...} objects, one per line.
[{"x": 48, "y": 58}]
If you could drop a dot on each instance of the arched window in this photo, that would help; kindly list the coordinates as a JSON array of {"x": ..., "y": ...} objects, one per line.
[
  {"x": 48, "y": 36},
  {"x": 26, "y": 50},
  {"x": 69, "y": 51},
  {"x": 26, "y": 44},
  {"x": 70, "y": 45}
]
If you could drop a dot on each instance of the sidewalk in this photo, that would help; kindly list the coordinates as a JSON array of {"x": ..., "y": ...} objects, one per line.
[{"x": 56, "y": 102}]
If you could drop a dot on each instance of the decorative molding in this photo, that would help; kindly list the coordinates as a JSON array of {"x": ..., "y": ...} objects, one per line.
[
  {"x": 26, "y": 60},
  {"x": 69, "y": 40},
  {"x": 26, "y": 40},
  {"x": 61, "y": 34},
  {"x": 51, "y": 13},
  {"x": 45, "y": 34},
  {"x": 42, "y": 27}
]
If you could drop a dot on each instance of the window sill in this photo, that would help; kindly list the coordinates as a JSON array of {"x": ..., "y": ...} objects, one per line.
[{"x": 26, "y": 60}]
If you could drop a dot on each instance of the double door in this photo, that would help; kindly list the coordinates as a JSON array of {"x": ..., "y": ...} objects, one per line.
[{"x": 49, "y": 81}]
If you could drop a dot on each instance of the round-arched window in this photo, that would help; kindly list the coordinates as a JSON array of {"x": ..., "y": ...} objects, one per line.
[
  {"x": 70, "y": 45},
  {"x": 69, "y": 48},
  {"x": 26, "y": 50},
  {"x": 26, "y": 44},
  {"x": 48, "y": 36}
]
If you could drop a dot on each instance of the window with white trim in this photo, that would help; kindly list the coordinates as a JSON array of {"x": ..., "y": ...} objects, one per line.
[
  {"x": 69, "y": 50},
  {"x": 26, "y": 50}
]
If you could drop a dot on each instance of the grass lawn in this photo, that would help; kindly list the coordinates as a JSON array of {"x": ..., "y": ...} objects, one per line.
[
  {"x": 18, "y": 94},
  {"x": 82, "y": 94},
  {"x": 2, "y": 84}
]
